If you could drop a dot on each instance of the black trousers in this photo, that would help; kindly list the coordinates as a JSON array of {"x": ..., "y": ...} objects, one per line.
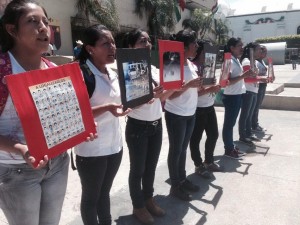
[
  {"x": 206, "y": 120},
  {"x": 96, "y": 176},
  {"x": 144, "y": 141}
]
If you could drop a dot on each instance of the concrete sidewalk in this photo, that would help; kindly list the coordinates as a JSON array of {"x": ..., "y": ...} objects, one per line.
[{"x": 262, "y": 189}]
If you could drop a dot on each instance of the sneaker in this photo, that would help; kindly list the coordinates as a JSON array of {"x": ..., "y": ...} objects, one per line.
[
  {"x": 253, "y": 138},
  {"x": 246, "y": 141},
  {"x": 202, "y": 171},
  {"x": 213, "y": 167},
  {"x": 259, "y": 129},
  {"x": 189, "y": 186},
  {"x": 240, "y": 153},
  {"x": 178, "y": 192},
  {"x": 232, "y": 154}
]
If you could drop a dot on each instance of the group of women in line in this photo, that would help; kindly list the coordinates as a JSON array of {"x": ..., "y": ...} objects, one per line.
[{"x": 35, "y": 195}]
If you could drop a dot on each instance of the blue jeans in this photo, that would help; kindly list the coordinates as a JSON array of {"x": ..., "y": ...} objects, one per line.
[
  {"x": 247, "y": 109},
  {"x": 206, "y": 120},
  {"x": 35, "y": 197},
  {"x": 180, "y": 130},
  {"x": 97, "y": 175},
  {"x": 232, "y": 105},
  {"x": 260, "y": 97},
  {"x": 144, "y": 141}
]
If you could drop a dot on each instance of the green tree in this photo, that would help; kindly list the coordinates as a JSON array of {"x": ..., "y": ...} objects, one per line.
[
  {"x": 221, "y": 31},
  {"x": 104, "y": 12},
  {"x": 200, "y": 21},
  {"x": 160, "y": 15}
]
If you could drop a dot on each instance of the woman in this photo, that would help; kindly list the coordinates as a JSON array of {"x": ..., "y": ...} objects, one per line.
[
  {"x": 262, "y": 72},
  {"x": 99, "y": 161},
  {"x": 27, "y": 195},
  {"x": 206, "y": 120},
  {"x": 249, "y": 98},
  {"x": 180, "y": 110},
  {"x": 232, "y": 96},
  {"x": 144, "y": 138}
]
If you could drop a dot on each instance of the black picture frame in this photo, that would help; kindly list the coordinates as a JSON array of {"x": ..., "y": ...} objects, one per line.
[
  {"x": 135, "y": 80},
  {"x": 209, "y": 67}
]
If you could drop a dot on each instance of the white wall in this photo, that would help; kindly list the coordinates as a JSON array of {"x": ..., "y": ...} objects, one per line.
[
  {"x": 61, "y": 11},
  {"x": 249, "y": 33}
]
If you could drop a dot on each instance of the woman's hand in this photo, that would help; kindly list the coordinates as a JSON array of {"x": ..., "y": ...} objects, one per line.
[
  {"x": 195, "y": 83},
  {"x": 30, "y": 160},
  {"x": 117, "y": 110},
  {"x": 157, "y": 91}
]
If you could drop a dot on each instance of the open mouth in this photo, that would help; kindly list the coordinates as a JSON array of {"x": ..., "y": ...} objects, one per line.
[{"x": 46, "y": 39}]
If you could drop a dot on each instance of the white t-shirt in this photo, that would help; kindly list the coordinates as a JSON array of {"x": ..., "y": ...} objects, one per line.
[
  {"x": 186, "y": 103},
  {"x": 108, "y": 126},
  {"x": 262, "y": 68},
  {"x": 236, "y": 70},
  {"x": 149, "y": 112},
  {"x": 10, "y": 124},
  {"x": 205, "y": 100},
  {"x": 253, "y": 87}
]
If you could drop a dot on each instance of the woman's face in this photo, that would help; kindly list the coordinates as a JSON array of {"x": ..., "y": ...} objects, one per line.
[
  {"x": 191, "y": 50},
  {"x": 237, "y": 50},
  {"x": 263, "y": 53},
  {"x": 104, "y": 50},
  {"x": 33, "y": 32},
  {"x": 143, "y": 41},
  {"x": 257, "y": 52}
]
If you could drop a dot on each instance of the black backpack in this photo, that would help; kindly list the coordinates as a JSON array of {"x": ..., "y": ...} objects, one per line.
[{"x": 89, "y": 79}]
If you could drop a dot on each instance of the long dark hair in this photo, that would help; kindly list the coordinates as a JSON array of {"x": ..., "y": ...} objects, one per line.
[
  {"x": 12, "y": 14},
  {"x": 131, "y": 38},
  {"x": 246, "y": 53},
  {"x": 232, "y": 42},
  {"x": 90, "y": 36},
  {"x": 185, "y": 36}
]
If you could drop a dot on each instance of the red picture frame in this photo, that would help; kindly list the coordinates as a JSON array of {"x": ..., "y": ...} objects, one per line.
[
  {"x": 225, "y": 71},
  {"x": 171, "y": 61},
  {"x": 54, "y": 109}
]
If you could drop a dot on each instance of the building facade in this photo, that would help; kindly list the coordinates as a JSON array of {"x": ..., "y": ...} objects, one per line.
[
  {"x": 249, "y": 27},
  {"x": 61, "y": 12}
]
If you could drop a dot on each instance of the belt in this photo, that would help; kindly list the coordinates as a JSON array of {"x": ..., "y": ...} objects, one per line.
[{"x": 143, "y": 122}]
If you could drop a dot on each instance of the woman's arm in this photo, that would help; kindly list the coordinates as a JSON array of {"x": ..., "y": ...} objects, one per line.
[
  {"x": 243, "y": 76},
  {"x": 195, "y": 83},
  {"x": 211, "y": 89},
  {"x": 113, "y": 108}
]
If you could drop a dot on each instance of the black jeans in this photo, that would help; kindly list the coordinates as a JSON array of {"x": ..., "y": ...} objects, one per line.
[
  {"x": 260, "y": 97},
  {"x": 206, "y": 120},
  {"x": 180, "y": 130},
  {"x": 144, "y": 141},
  {"x": 96, "y": 176}
]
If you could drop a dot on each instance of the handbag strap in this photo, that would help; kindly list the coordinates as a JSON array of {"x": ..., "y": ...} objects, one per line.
[{"x": 5, "y": 69}]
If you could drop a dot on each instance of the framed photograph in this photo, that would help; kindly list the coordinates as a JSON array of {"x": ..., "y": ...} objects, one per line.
[
  {"x": 271, "y": 75},
  {"x": 225, "y": 71},
  {"x": 54, "y": 109},
  {"x": 209, "y": 68},
  {"x": 171, "y": 61},
  {"x": 134, "y": 68}
]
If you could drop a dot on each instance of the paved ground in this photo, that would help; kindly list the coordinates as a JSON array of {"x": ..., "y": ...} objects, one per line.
[{"x": 262, "y": 189}]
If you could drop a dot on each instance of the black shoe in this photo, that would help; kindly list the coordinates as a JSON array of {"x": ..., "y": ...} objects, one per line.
[
  {"x": 189, "y": 186},
  {"x": 178, "y": 192},
  {"x": 202, "y": 171},
  {"x": 247, "y": 141}
]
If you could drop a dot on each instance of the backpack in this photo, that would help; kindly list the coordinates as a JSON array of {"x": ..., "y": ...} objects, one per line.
[
  {"x": 6, "y": 69},
  {"x": 89, "y": 79}
]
